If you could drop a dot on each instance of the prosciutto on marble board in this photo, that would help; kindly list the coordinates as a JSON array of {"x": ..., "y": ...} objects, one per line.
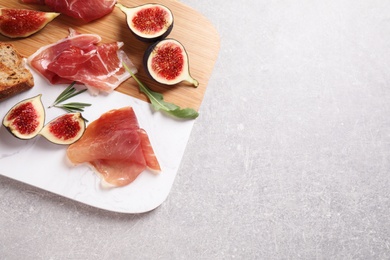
[
  {"x": 84, "y": 10},
  {"x": 79, "y": 58},
  {"x": 117, "y": 148}
]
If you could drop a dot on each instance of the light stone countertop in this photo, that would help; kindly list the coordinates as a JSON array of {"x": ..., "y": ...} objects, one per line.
[{"x": 290, "y": 158}]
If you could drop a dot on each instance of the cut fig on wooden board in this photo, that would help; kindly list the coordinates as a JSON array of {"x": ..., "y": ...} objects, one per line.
[
  {"x": 21, "y": 23},
  {"x": 25, "y": 119},
  {"x": 64, "y": 129},
  {"x": 167, "y": 62},
  {"x": 148, "y": 22}
]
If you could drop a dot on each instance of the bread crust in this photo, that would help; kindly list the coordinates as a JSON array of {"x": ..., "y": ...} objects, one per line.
[{"x": 14, "y": 76}]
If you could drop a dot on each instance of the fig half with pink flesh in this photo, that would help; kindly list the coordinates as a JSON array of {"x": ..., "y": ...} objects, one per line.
[
  {"x": 21, "y": 23},
  {"x": 64, "y": 129},
  {"x": 148, "y": 22},
  {"x": 25, "y": 119},
  {"x": 167, "y": 62}
]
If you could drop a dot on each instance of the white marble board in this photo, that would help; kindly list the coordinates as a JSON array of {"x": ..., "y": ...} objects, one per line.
[{"x": 44, "y": 165}]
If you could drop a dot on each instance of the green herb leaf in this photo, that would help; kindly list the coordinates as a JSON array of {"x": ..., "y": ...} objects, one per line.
[
  {"x": 158, "y": 103},
  {"x": 68, "y": 93},
  {"x": 72, "y": 107}
]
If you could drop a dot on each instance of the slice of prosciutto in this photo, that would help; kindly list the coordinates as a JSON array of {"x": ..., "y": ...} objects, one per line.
[
  {"x": 117, "y": 148},
  {"x": 84, "y": 10},
  {"x": 79, "y": 58}
]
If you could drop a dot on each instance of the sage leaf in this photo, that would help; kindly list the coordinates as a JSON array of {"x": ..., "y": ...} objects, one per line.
[{"x": 158, "y": 103}]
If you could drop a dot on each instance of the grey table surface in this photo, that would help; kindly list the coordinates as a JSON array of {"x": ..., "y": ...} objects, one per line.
[{"x": 290, "y": 158}]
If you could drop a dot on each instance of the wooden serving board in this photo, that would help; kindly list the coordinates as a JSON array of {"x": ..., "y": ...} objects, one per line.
[
  {"x": 192, "y": 29},
  {"x": 45, "y": 164}
]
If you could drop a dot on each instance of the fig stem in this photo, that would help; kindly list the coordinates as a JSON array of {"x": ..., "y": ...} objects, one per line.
[
  {"x": 193, "y": 81},
  {"x": 122, "y": 7}
]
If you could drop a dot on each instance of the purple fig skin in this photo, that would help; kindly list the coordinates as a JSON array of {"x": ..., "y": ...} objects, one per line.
[
  {"x": 151, "y": 40},
  {"x": 21, "y": 23}
]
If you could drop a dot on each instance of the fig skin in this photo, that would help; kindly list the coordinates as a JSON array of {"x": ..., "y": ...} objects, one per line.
[
  {"x": 20, "y": 125},
  {"x": 177, "y": 58},
  {"x": 21, "y": 23},
  {"x": 148, "y": 36},
  {"x": 65, "y": 129}
]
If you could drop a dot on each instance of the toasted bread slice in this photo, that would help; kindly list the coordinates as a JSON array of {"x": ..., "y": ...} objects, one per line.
[{"x": 14, "y": 76}]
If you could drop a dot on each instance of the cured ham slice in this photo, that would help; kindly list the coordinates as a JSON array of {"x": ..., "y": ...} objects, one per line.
[
  {"x": 85, "y": 10},
  {"x": 79, "y": 58},
  {"x": 117, "y": 148}
]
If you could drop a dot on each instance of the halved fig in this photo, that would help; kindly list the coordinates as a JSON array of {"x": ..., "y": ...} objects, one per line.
[
  {"x": 167, "y": 62},
  {"x": 26, "y": 119},
  {"x": 149, "y": 22},
  {"x": 21, "y": 23},
  {"x": 64, "y": 129}
]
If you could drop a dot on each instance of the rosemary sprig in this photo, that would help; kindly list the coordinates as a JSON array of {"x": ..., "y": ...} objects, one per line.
[
  {"x": 68, "y": 93},
  {"x": 158, "y": 103},
  {"x": 74, "y": 106}
]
